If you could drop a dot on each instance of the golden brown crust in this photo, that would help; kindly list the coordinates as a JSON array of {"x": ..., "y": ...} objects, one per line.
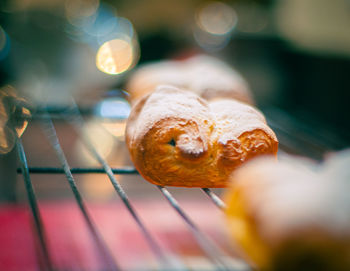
[
  {"x": 177, "y": 139},
  {"x": 284, "y": 213},
  {"x": 206, "y": 76}
]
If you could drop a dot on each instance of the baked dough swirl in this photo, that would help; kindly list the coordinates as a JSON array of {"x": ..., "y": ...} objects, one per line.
[{"x": 176, "y": 138}]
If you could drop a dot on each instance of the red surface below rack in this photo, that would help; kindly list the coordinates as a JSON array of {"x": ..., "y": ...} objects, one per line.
[{"x": 71, "y": 246}]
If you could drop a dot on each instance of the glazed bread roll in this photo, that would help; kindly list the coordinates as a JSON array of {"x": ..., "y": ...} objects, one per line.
[
  {"x": 206, "y": 76},
  {"x": 176, "y": 138},
  {"x": 291, "y": 215}
]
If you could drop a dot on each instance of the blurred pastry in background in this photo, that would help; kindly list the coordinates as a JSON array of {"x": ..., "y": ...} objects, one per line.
[
  {"x": 176, "y": 138},
  {"x": 292, "y": 214},
  {"x": 206, "y": 76}
]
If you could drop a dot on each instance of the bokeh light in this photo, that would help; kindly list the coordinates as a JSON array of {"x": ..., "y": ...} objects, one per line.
[
  {"x": 77, "y": 11},
  {"x": 112, "y": 149},
  {"x": 210, "y": 42},
  {"x": 4, "y": 44},
  {"x": 214, "y": 24},
  {"x": 87, "y": 29},
  {"x": 100, "y": 139},
  {"x": 113, "y": 37},
  {"x": 216, "y": 18},
  {"x": 115, "y": 56},
  {"x": 117, "y": 128},
  {"x": 113, "y": 108},
  {"x": 96, "y": 186},
  {"x": 118, "y": 27},
  {"x": 113, "y": 112},
  {"x": 106, "y": 132}
]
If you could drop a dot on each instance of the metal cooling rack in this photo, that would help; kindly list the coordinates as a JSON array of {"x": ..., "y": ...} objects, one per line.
[
  {"x": 74, "y": 117},
  {"x": 288, "y": 141}
]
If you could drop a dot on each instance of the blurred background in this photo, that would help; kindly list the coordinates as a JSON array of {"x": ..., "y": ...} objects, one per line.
[{"x": 295, "y": 55}]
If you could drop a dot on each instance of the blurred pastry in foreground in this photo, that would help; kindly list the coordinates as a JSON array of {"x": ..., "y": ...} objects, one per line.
[
  {"x": 292, "y": 215},
  {"x": 176, "y": 138},
  {"x": 207, "y": 76}
]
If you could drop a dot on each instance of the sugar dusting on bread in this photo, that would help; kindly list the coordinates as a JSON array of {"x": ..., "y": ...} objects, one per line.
[{"x": 177, "y": 138}]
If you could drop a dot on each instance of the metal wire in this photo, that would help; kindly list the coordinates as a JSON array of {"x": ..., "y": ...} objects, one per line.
[
  {"x": 55, "y": 170},
  {"x": 103, "y": 250},
  {"x": 217, "y": 201},
  {"x": 34, "y": 207},
  {"x": 74, "y": 116},
  {"x": 77, "y": 122},
  {"x": 119, "y": 171},
  {"x": 212, "y": 251}
]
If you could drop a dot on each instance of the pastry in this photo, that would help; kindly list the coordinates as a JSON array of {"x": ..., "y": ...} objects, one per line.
[
  {"x": 291, "y": 215},
  {"x": 176, "y": 138},
  {"x": 207, "y": 76}
]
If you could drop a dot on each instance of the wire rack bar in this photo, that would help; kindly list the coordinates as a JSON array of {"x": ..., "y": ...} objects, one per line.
[
  {"x": 212, "y": 251},
  {"x": 34, "y": 206},
  {"x": 217, "y": 201},
  {"x": 56, "y": 170},
  {"x": 153, "y": 244},
  {"x": 77, "y": 121},
  {"x": 103, "y": 250},
  {"x": 120, "y": 171}
]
